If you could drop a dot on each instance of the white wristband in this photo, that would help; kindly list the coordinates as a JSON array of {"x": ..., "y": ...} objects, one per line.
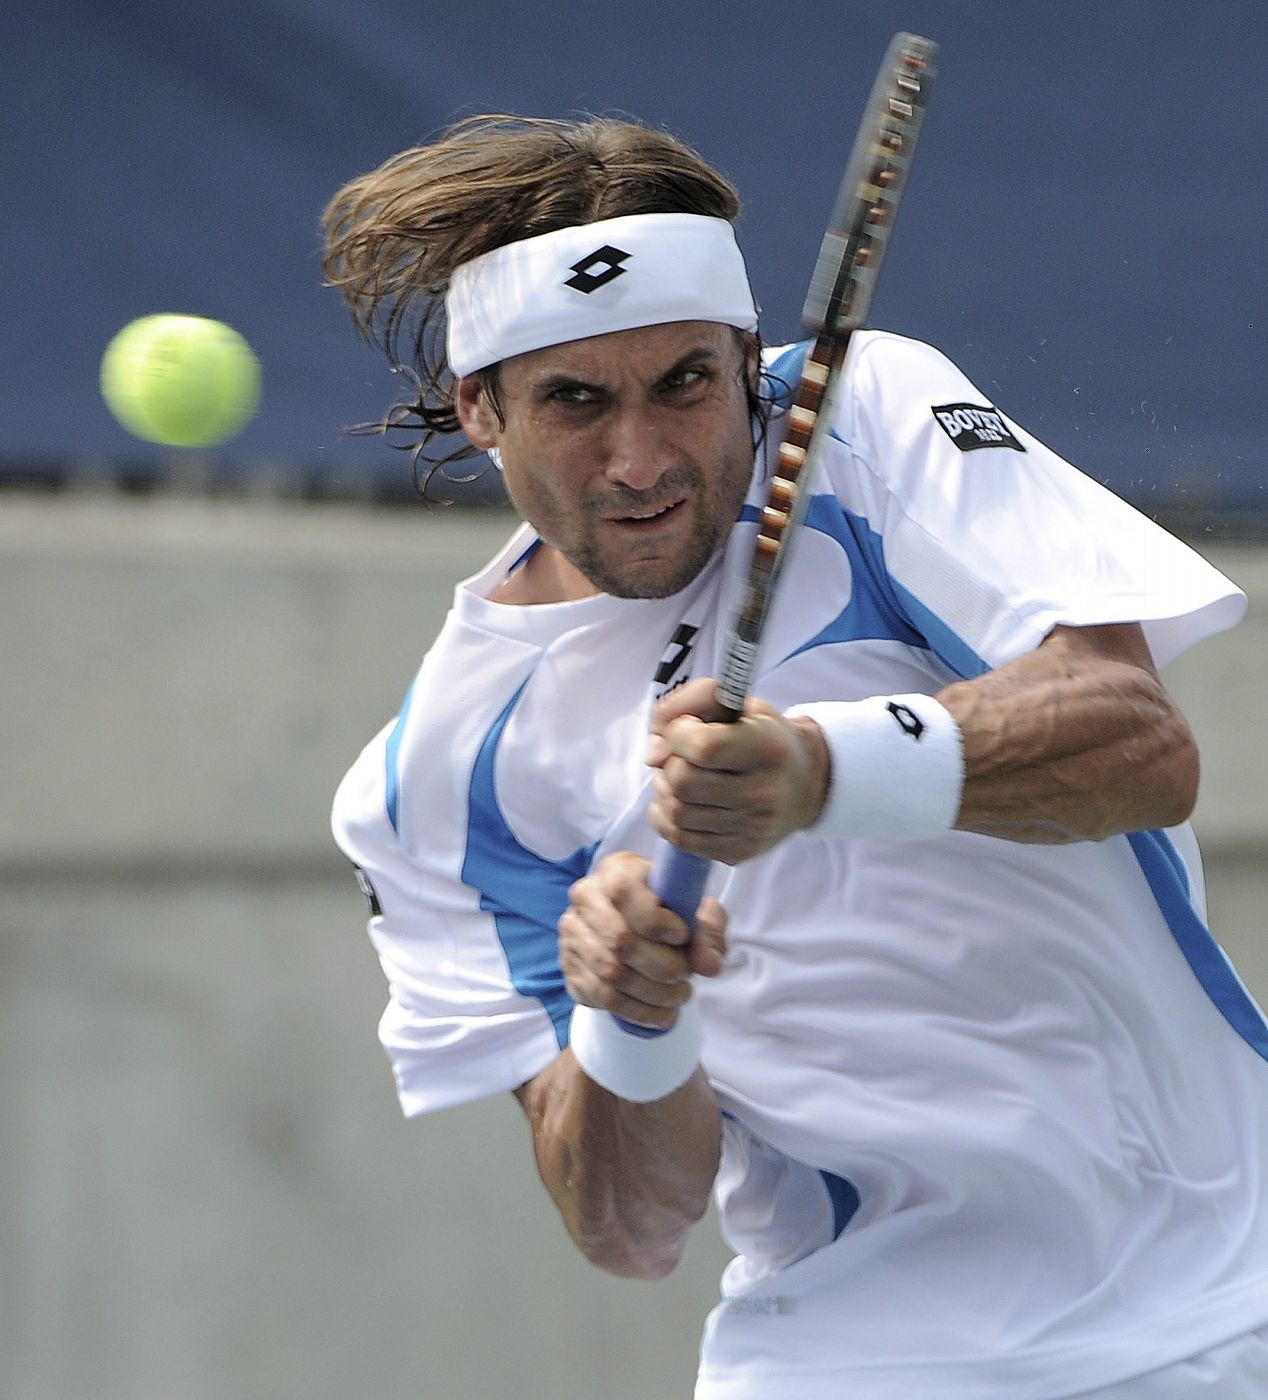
[
  {"x": 631, "y": 1066},
  {"x": 897, "y": 767}
]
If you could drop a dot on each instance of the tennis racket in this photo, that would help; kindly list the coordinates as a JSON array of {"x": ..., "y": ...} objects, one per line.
[{"x": 840, "y": 294}]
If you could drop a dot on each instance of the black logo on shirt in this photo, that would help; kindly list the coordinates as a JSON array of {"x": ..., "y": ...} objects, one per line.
[
  {"x": 971, "y": 426},
  {"x": 675, "y": 656},
  {"x": 608, "y": 258},
  {"x": 908, "y": 720}
]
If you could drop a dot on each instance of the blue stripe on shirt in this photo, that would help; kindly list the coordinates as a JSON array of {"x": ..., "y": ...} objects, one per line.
[
  {"x": 843, "y": 1196},
  {"x": 879, "y": 608},
  {"x": 392, "y": 783},
  {"x": 524, "y": 892},
  {"x": 1164, "y": 870},
  {"x": 873, "y": 611}
]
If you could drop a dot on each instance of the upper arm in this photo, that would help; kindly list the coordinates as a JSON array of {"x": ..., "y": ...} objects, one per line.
[{"x": 1121, "y": 642}]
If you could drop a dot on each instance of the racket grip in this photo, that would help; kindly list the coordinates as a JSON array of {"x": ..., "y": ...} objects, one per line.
[{"x": 678, "y": 881}]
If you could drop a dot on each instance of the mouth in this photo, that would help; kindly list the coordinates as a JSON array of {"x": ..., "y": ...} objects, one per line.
[{"x": 649, "y": 517}]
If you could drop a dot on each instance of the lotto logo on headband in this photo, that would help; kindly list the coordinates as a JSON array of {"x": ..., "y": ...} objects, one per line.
[
  {"x": 587, "y": 281},
  {"x": 971, "y": 426}
]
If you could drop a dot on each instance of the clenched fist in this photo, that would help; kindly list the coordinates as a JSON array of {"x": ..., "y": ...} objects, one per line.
[
  {"x": 621, "y": 950},
  {"x": 730, "y": 792}
]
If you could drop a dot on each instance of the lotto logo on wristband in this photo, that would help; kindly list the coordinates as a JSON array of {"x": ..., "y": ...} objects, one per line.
[
  {"x": 908, "y": 720},
  {"x": 971, "y": 426}
]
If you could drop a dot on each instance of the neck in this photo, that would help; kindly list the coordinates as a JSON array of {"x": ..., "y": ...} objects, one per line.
[{"x": 544, "y": 577}]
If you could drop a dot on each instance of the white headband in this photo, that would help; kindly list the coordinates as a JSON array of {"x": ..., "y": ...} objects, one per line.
[{"x": 638, "y": 270}]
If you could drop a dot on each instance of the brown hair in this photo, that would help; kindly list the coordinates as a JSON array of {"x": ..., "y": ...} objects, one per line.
[{"x": 393, "y": 237}]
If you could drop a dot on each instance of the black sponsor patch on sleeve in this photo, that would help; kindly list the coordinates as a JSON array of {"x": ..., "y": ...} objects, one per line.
[{"x": 972, "y": 425}]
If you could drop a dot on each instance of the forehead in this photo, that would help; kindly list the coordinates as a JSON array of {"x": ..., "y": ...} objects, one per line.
[{"x": 644, "y": 351}]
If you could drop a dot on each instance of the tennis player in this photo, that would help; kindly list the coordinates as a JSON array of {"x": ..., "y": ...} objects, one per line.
[{"x": 983, "y": 1105}]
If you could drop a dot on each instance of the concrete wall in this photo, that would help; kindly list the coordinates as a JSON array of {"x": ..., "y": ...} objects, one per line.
[{"x": 208, "y": 1191}]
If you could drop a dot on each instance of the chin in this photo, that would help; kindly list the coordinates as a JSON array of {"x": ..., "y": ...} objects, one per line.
[
  {"x": 649, "y": 578},
  {"x": 661, "y": 582},
  {"x": 627, "y": 589}
]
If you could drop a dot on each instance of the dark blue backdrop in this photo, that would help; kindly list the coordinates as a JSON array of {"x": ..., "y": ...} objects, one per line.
[{"x": 1084, "y": 233}]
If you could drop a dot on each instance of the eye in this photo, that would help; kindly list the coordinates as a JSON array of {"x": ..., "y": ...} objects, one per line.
[
  {"x": 573, "y": 394},
  {"x": 684, "y": 379}
]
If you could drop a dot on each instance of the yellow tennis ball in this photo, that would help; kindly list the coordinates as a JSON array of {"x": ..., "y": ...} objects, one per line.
[{"x": 184, "y": 381}]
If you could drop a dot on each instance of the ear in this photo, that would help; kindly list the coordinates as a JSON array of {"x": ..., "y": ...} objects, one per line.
[{"x": 476, "y": 413}]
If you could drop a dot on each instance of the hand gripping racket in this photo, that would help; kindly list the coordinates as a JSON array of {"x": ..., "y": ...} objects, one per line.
[{"x": 840, "y": 293}]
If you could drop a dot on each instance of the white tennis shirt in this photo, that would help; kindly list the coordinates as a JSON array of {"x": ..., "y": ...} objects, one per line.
[{"x": 996, "y": 1114}]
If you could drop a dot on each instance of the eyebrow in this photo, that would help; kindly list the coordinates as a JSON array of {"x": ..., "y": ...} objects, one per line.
[{"x": 553, "y": 382}]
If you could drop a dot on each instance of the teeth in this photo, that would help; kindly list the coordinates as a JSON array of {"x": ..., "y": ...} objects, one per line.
[{"x": 650, "y": 515}]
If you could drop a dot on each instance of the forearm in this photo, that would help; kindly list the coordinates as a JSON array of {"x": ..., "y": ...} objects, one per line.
[
  {"x": 628, "y": 1179},
  {"x": 1075, "y": 741}
]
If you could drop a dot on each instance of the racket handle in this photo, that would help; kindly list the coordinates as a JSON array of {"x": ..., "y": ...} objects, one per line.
[{"x": 678, "y": 881}]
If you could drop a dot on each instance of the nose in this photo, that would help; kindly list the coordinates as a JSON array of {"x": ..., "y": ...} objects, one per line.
[{"x": 639, "y": 453}]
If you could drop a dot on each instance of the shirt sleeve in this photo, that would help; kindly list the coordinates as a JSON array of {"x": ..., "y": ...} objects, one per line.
[
  {"x": 460, "y": 1023},
  {"x": 989, "y": 538}
]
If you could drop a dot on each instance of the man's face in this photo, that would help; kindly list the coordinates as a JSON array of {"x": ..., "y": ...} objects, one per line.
[{"x": 629, "y": 453}]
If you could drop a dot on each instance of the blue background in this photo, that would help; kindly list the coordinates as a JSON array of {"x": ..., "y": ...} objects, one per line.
[{"x": 1084, "y": 231}]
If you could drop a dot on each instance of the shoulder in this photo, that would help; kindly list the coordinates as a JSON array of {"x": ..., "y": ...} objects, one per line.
[
  {"x": 882, "y": 351},
  {"x": 883, "y": 369},
  {"x": 897, "y": 373}
]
